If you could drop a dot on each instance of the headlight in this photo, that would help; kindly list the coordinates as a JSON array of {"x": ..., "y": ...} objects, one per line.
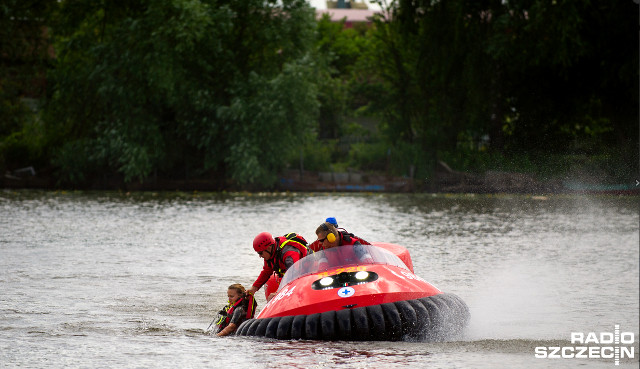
[
  {"x": 344, "y": 279},
  {"x": 326, "y": 281}
]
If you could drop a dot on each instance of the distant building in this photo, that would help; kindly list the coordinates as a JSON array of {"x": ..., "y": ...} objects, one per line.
[
  {"x": 347, "y": 4},
  {"x": 351, "y": 11}
]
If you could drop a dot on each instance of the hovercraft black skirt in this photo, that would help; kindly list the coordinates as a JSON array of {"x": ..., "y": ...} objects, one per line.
[{"x": 434, "y": 318}]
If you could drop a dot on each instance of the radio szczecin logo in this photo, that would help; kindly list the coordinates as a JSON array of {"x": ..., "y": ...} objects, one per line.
[{"x": 605, "y": 345}]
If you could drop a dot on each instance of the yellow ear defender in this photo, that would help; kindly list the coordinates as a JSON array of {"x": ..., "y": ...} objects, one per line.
[{"x": 331, "y": 237}]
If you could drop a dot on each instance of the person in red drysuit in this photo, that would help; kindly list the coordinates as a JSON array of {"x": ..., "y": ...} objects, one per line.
[
  {"x": 317, "y": 245},
  {"x": 329, "y": 237},
  {"x": 279, "y": 254}
]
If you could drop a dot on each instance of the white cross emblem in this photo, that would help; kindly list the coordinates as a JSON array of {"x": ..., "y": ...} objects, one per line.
[{"x": 346, "y": 292}]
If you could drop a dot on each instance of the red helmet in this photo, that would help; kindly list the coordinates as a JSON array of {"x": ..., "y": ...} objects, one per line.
[{"x": 263, "y": 241}]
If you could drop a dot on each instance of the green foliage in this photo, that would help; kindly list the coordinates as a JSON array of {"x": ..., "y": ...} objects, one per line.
[
  {"x": 235, "y": 89},
  {"x": 182, "y": 87},
  {"x": 332, "y": 96},
  {"x": 560, "y": 62},
  {"x": 529, "y": 74},
  {"x": 339, "y": 51},
  {"x": 343, "y": 46},
  {"x": 317, "y": 155},
  {"x": 74, "y": 167},
  {"x": 373, "y": 156},
  {"x": 469, "y": 160},
  {"x": 269, "y": 119},
  {"x": 24, "y": 57},
  {"x": 13, "y": 114},
  {"x": 23, "y": 146}
]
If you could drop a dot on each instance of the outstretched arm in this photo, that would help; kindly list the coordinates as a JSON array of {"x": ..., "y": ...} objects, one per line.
[
  {"x": 262, "y": 278},
  {"x": 228, "y": 330},
  {"x": 252, "y": 290}
]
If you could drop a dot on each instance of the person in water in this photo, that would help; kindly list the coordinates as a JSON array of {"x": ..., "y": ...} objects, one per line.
[
  {"x": 279, "y": 254},
  {"x": 329, "y": 237},
  {"x": 241, "y": 306}
]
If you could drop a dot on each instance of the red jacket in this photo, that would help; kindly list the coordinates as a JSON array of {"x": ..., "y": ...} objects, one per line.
[
  {"x": 289, "y": 249},
  {"x": 315, "y": 246},
  {"x": 350, "y": 239},
  {"x": 346, "y": 255},
  {"x": 346, "y": 238},
  {"x": 248, "y": 302}
]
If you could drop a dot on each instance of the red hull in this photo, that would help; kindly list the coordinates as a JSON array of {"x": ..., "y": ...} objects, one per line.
[
  {"x": 395, "y": 282},
  {"x": 358, "y": 293}
]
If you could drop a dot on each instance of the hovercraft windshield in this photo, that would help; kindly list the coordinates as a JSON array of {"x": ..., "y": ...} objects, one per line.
[{"x": 341, "y": 257}]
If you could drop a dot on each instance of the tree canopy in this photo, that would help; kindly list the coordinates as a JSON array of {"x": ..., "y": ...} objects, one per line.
[
  {"x": 236, "y": 90},
  {"x": 532, "y": 76},
  {"x": 182, "y": 87}
]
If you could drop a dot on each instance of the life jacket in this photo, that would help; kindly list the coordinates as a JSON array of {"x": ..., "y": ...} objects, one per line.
[
  {"x": 249, "y": 303},
  {"x": 290, "y": 241},
  {"x": 350, "y": 238}
]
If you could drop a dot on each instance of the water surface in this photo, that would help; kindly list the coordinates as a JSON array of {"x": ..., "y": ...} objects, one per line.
[{"x": 133, "y": 280}]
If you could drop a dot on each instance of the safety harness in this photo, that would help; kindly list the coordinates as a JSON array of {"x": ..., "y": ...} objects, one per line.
[
  {"x": 224, "y": 315},
  {"x": 294, "y": 241}
]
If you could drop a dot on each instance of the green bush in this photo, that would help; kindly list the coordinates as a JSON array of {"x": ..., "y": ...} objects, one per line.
[
  {"x": 184, "y": 87},
  {"x": 407, "y": 158},
  {"x": 316, "y": 155},
  {"x": 22, "y": 141},
  {"x": 369, "y": 156},
  {"x": 73, "y": 163}
]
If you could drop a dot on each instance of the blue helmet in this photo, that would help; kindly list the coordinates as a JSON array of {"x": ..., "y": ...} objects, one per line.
[{"x": 333, "y": 221}]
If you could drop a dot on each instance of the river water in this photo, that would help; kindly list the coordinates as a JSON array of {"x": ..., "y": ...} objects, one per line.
[{"x": 111, "y": 279}]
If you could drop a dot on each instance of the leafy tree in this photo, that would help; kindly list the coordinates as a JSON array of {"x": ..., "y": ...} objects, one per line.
[
  {"x": 536, "y": 76},
  {"x": 182, "y": 88},
  {"x": 24, "y": 58},
  {"x": 338, "y": 51},
  {"x": 566, "y": 73},
  {"x": 429, "y": 60}
]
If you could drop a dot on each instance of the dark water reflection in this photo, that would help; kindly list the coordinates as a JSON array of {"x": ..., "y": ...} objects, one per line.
[{"x": 122, "y": 280}]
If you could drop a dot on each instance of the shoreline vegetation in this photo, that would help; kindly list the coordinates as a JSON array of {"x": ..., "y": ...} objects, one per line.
[
  {"x": 447, "y": 181},
  {"x": 252, "y": 95}
]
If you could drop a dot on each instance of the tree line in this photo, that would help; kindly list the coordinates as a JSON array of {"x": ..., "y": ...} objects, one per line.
[{"x": 241, "y": 89}]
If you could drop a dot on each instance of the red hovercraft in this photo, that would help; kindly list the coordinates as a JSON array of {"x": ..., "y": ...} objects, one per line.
[{"x": 333, "y": 295}]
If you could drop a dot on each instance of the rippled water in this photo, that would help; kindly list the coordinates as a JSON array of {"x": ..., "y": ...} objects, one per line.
[{"x": 133, "y": 280}]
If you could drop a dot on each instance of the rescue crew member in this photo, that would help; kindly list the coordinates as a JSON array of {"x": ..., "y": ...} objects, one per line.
[
  {"x": 329, "y": 237},
  {"x": 279, "y": 254},
  {"x": 242, "y": 306},
  {"x": 317, "y": 246}
]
